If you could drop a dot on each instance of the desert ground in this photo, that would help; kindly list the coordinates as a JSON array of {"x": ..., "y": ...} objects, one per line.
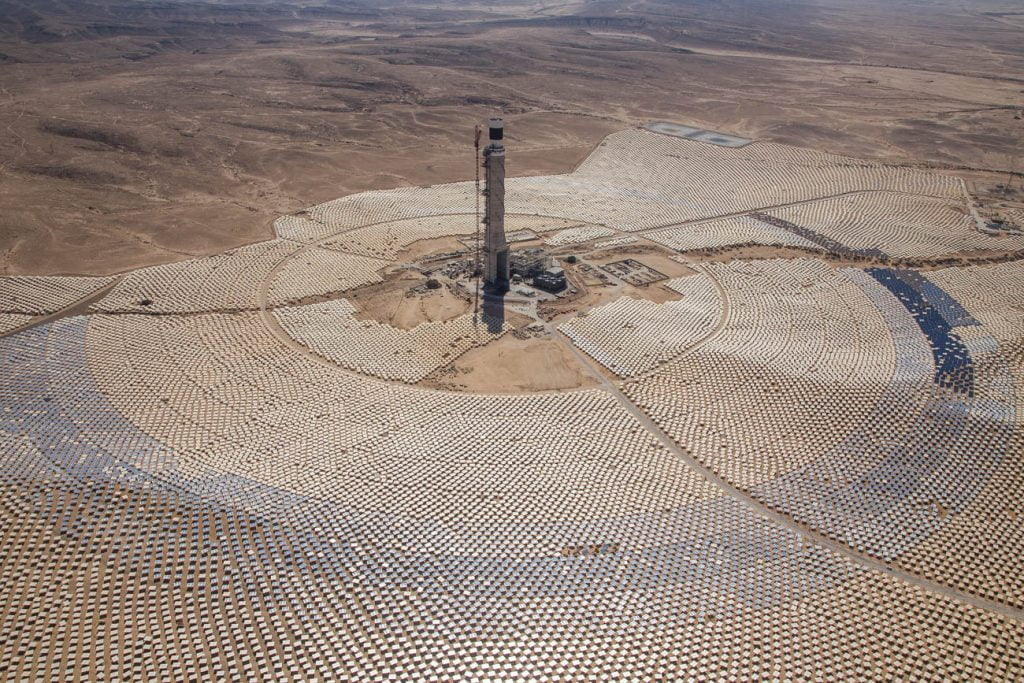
[
  {"x": 751, "y": 407},
  {"x": 137, "y": 134}
]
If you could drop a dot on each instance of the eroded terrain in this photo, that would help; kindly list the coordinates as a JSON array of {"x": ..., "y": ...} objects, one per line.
[{"x": 138, "y": 134}]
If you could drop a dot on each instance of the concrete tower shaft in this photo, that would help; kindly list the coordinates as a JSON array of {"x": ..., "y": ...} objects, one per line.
[{"x": 496, "y": 264}]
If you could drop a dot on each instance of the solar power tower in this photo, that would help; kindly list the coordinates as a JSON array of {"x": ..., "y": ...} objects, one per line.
[{"x": 496, "y": 265}]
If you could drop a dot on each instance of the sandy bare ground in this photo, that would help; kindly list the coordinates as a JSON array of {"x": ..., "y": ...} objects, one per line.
[
  {"x": 400, "y": 301},
  {"x": 133, "y": 136},
  {"x": 513, "y": 365}
]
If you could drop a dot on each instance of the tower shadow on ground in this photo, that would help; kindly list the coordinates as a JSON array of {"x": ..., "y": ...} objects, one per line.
[{"x": 492, "y": 313}]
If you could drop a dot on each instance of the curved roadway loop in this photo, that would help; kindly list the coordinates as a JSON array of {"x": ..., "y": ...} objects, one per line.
[
  {"x": 663, "y": 438},
  {"x": 666, "y": 441}
]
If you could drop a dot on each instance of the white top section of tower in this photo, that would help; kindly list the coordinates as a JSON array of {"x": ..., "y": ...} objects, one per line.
[{"x": 497, "y": 132}]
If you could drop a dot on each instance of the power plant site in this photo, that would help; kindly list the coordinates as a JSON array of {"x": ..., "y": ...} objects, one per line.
[{"x": 705, "y": 407}]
